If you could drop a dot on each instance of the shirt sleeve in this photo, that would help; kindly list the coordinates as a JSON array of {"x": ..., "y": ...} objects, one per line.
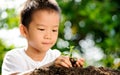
[
  {"x": 12, "y": 63},
  {"x": 57, "y": 53}
]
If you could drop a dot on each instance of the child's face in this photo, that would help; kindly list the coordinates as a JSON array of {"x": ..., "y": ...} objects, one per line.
[{"x": 43, "y": 30}]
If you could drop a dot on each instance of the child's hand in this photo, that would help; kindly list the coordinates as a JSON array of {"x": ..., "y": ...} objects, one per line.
[
  {"x": 64, "y": 61},
  {"x": 80, "y": 62}
]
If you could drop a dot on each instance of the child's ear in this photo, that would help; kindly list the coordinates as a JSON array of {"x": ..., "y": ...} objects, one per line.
[{"x": 23, "y": 30}]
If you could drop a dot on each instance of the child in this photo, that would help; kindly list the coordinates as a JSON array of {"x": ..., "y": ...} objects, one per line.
[{"x": 39, "y": 25}]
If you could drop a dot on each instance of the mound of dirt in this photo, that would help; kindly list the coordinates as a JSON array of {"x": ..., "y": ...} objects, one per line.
[{"x": 90, "y": 70}]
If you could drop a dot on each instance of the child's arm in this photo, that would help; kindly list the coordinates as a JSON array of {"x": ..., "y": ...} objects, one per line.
[
  {"x": 64, "y": 61},
  {"x": 23, "y": 73},
  {"x": 61, "y": 61}
]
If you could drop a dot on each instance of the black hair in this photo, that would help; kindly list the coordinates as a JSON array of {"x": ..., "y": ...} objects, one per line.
[{"x": 31, "y": 6}]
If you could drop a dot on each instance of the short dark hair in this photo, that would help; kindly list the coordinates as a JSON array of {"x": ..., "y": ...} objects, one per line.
[{"x": 31, "y": 6}]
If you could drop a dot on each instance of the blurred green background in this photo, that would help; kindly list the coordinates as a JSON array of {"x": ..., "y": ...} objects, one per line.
[{"x": 91, "y": 26}]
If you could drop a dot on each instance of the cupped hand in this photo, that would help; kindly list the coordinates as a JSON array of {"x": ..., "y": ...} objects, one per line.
[
  {"x": 64, "y": 61},
  {"x": 80, "y": 62}
]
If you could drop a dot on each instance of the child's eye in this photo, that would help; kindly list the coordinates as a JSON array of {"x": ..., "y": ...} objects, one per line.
[
  {"x": 41, "y": 29},
  {"x": 54, "y": 30}
]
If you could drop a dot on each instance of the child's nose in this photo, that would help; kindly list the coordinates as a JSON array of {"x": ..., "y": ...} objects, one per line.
[{"x": 47, "y": 35}]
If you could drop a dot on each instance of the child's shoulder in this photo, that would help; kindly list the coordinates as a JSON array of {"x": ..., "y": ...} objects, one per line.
[{"x": 15, "y": 51}]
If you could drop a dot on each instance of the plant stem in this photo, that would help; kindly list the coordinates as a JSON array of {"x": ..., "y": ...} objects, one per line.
[{"x": 71, "y": 50}]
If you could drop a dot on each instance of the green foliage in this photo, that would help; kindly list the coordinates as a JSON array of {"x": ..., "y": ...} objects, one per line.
[
  {"x": 71, "y": 50},
  {"x": 8, "y": 18},
  {"x": 98, "y": 17}
]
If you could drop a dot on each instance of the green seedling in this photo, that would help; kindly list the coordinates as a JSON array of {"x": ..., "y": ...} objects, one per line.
[{"x": 72, "y": 59}]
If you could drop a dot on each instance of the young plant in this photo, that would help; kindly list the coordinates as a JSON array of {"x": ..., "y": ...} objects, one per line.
[{"x": 72, "y": 59}]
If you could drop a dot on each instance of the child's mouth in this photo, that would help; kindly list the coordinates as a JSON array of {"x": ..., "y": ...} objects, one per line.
[{"x": 46, "y": 43}]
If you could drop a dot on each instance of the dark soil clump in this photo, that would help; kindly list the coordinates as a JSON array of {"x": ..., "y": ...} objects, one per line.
[
  {"x": 73, "y": 62},
  {"x": 90, "y": 70}
]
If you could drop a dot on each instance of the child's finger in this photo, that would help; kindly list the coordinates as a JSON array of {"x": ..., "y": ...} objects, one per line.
[
  {"x": 81, "y": 59},
  {"x": 63, "y": 61},
  {"x": 66, "y": 61},
  {"x": 63, "y": 64},
  {"x": 80, "y": 62}
]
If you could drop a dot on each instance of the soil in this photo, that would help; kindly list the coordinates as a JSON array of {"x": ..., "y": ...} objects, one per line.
[
  {"x": 73, "y": 62},
  {"x": 90, "y": 70}
]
